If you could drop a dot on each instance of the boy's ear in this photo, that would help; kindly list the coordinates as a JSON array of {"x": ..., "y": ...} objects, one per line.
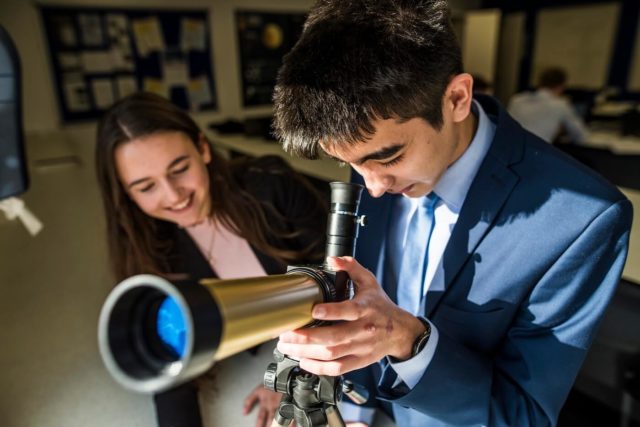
[{"x": 458, "y": 96}]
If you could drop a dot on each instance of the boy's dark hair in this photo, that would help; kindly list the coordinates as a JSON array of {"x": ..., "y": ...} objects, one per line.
[
  {"x": 358, "y": 61},
  {"x": 552, "y": 78}
]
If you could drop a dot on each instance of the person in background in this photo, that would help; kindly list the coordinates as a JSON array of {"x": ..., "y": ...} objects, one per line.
[
  {"x": 176, "y": 208},
  {"x": 489, "y": 256},
  {"x": 545, "y": 112}
]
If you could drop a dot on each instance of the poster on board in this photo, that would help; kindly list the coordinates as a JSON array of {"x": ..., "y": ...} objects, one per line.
[{"x": 263, "y": 39}]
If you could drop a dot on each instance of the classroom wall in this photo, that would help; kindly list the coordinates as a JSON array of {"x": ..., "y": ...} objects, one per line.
[
  {"x": 480, "y": 42},
  {"x": 510, "y": 51},
  {"x": 580, "y": 39},
  {"x": 634, "y": 77},
  {"x": 22, "y": 21},
  {"x": 595, "y": 40}
]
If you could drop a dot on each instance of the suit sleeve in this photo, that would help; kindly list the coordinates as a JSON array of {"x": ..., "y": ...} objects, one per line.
[{"x": 528, "y": 377}]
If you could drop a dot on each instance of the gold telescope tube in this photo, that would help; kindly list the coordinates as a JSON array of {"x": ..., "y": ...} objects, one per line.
[
  {"x": 209, "y": 320},
  {"x": 154, "y": 334},
  {"x": 259, "y": 309}
]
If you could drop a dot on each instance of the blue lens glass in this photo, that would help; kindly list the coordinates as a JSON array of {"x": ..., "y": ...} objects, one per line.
[{"x": 171, "y": 327}]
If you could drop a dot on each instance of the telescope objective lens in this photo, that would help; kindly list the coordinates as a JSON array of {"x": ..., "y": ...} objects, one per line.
[{"x": 171, "y": 327}]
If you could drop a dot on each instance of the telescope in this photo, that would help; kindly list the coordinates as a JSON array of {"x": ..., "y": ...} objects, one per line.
[{"x": 155, "y": 334}]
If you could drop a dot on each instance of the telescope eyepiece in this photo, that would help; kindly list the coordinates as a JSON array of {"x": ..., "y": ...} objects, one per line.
[{"x": 343, "y": 224}]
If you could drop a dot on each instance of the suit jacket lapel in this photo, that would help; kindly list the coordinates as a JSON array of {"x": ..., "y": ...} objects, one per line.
[{"x": 491, "y": 188}]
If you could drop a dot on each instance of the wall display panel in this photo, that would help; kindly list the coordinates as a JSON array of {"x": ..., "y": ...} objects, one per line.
[
  {"x": 263, "y": 39},
  {"x": 510, "y": 53},
  {"x": 480, "y": 42},
  {"x": 579, "y": 39},
  {"x": 100, "y": 55},
  {"x": 634, "y": 77}
]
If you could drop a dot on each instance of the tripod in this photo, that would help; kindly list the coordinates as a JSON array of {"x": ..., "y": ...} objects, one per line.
[{"x": 311, "y": 400}]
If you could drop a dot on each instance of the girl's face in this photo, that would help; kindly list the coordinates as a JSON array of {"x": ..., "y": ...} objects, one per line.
[{"x": 165, "y": 174}]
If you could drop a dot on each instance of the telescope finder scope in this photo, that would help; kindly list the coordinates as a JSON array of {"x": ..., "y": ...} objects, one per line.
[{"x": 155, "y": 334}]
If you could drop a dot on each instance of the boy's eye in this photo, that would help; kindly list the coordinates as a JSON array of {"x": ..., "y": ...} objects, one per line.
[{"x": 392, "y": 161}]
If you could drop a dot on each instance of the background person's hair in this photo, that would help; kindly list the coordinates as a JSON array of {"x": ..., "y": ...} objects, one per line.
[
  {"x": 136, "y": 241},
  {"x": 552, "y": 78},
  {"x": 360, "y": 61}
]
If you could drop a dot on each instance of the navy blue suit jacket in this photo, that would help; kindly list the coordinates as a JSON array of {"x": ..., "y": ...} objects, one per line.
[{"x": 530, "y": 267}]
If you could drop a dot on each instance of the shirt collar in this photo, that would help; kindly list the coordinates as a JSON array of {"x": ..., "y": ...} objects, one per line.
[{"x": 454, "y": 184}]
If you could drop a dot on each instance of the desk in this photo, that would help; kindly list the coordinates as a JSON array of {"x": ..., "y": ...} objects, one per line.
[
  {"x": 632, "y": 267},
  {"x": 622, "y": 170},
  {"x": 614, "y": 142},
  {"x": 323, "y": 168},
  {"x": 613, "y": 109}
]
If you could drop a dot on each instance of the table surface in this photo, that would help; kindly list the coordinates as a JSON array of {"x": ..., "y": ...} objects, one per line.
[
  {"x": 632, "y": 267},
  {"x": 324, "y": 168},
  {"x": 613, "y": 141}
]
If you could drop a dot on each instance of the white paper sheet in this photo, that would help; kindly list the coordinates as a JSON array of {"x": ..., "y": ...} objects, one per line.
[
  {"x": 199, "y": 92},
  {"x": 147, "y": 35},
  {"x": 75, "y": 92},
  {"x": 156, "y": 86},
  {"x": 193, "y": 34},
  {"x": 126, "y": 85},
  {"x": 97, "y": 62},
  {"x": 102, "y": 90},
  {"x": 119, "y": 42},
  {"x": 91, "y": 29}
]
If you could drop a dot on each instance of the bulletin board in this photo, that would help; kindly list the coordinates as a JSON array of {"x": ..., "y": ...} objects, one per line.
[
  {"x": 263, "y": 39},
  {"x": 100, "y": 55}
]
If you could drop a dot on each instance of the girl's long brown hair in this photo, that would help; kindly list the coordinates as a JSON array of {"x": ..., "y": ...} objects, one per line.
[{"x": 136, "y": 243}]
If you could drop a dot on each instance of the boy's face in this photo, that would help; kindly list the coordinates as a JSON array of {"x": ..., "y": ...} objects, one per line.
[{"x": 405, "y": 158}]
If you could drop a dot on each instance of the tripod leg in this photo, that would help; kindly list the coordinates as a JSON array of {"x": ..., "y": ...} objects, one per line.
[
  {"x": 334, "y": 419},
  {"x": 284, "y": 414}
]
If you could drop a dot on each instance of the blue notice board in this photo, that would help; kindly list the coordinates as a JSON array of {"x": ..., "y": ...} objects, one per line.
[{"x": 100, "y": 55}]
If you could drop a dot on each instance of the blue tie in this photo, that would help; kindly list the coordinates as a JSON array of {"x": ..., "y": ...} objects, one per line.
[{"x": 414, "y": 260}]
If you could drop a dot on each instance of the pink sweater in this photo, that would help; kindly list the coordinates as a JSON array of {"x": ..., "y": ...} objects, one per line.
[{"x": 230, "y": 256}]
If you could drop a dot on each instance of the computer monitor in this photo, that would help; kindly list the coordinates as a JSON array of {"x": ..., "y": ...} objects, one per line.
[
  {"x": 13, "y": 167},
  {"x": 582, "y": 101},
  {"x": 630, "y": 123}
]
